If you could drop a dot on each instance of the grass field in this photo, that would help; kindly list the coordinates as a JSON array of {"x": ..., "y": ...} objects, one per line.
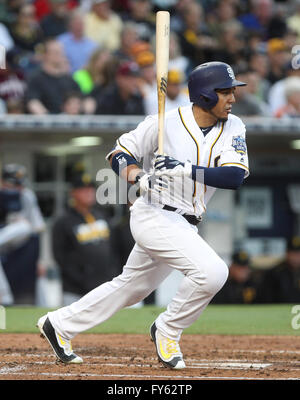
[{"x": 217, "y": 319}]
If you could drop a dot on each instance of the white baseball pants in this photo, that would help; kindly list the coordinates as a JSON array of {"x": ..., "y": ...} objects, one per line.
[{"x": 164, "y": 241}]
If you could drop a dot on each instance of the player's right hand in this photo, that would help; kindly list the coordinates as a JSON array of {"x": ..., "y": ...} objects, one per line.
[{"x": 169, "y": 166}]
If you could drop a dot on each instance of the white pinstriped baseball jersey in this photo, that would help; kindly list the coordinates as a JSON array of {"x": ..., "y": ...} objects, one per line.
[{"x": 224, "y": 145}]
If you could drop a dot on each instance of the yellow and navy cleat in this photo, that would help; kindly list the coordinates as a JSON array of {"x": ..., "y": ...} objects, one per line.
[
  {"x": 61, "y": 347},
  {"x": 168, "y": 350}
]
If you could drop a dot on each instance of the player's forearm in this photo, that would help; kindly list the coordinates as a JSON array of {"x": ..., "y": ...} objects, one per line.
[
  {"x": 130, "y": 173},
  {"x": 125, "y": 166},
  {"x": 219, "y": 177}
]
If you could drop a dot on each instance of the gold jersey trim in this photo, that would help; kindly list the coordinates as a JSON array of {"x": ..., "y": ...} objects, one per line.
[
  {"x": 211, "y": 149},
  {"x": 124, "y": 148},
  {"x": 196, "y": 143}
]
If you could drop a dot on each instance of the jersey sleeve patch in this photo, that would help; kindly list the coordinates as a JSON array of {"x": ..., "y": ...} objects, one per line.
[{"x": 239, "y": 144}]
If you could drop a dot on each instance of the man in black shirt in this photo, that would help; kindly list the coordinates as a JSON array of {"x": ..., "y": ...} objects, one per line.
[
  {"x": 82, "y": 242},
  {"x": 48, "y": 86},
  {"x": 124, "y": 97}
]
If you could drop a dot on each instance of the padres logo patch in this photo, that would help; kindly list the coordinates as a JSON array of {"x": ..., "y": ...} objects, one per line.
[{"x": 239, "y": 144}]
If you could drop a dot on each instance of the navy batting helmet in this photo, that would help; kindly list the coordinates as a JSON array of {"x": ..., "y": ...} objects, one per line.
[{"x": 206, "y": 78}]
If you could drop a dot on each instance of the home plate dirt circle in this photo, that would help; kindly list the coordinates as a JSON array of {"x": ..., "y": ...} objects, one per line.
[{"x": 132, "y": 357}]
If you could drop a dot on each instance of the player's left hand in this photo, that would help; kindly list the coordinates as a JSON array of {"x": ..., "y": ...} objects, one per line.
[
  {"x": 166, "y": 165},
  {"x": 151, "y": 182}
]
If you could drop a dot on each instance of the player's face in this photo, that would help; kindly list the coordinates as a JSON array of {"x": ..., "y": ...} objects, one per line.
[{"x": 223, "y": 108}]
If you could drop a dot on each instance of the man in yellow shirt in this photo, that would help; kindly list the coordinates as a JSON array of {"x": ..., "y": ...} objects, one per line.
[{"x": 103, "y": 25}]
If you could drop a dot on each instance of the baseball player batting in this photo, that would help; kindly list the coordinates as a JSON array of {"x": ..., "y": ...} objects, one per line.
[{"x": 204, "y": 149}]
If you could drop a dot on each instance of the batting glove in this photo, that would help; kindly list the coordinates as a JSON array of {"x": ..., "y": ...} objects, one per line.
[
  {"x": 166, "y": 165},
  {"x": 151, "y": 182}
]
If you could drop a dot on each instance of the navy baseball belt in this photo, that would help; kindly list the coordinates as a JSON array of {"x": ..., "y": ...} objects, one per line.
[{"x": 192, "y": 219}]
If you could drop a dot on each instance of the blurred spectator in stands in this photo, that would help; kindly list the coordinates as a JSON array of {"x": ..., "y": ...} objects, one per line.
[
  {"x": 15, "y": 106},
  {"x": 103, "y": 25},
  {"x": 43, "y": 7},
  {"x": 99, "y": 71},
  {"x": 9, "y": 10},
  {"x": 224, "y": 13},
  {"x": 5, "y": 38},
  {"x": 176, "y": 59},
  {"x": 277, "y": 26},
  {"x": 258, "y": 17},
  {"x": 255, "y": 43},
  {"x": 21, "y": 262},
  {"x": 195, "y": 41},
  {"x": 242, "y": 283},
  {"x": 278, "y": 57},
  {"x": 47, "y": 87},
  {"x": 120, "y": 6},
  {"x": 253, "y": 87},
  {"x": 140, "y": 12},
  {"x": 56, "y": 22},
  {"x": 247, "y": 103},
  {"x": 82, "y": 242},
  {"x": 146, "y": 62},
  {"x": 72, "y": 104},
  {"x": 177, "y": 95},
  {"x": 277, "y": 98},
  {"x": 124, "y": 96},
  {"x": 293, "y": 21},
  {"x": 292, "y": 94},
  {"x": 290, "y": 39},
  {"x": 26, "y": 34},
  {"x": 77, "y": 47},
  {"x": 12, "y": 82},
  {"x": 129, "y": 37},
  {"x": 176, "y": 18},
  {"x": 86, "y": 5},
  {"x": 259, "y": 62},
  {"x": 281, "y": 284},
  {"x": 232, "y": 44}
]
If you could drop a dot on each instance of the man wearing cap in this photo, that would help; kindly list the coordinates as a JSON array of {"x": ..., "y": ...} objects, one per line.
[
  {"x": 176, "y": 94},
  {"x": 145, "y": 58},
  {"x": 82, "y": 242},
  {"x": 123, "y": 97},
  {"x": 279, "y": 55},
  {"x": 241, "y": 286},
  {"x": 281, "y": 284}
]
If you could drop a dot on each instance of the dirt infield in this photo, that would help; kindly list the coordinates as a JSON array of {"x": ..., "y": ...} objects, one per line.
[{"x": 132, "y": 357}]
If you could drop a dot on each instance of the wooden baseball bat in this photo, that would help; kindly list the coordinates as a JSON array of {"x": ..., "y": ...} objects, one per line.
[{"x": 162, "y": 61}]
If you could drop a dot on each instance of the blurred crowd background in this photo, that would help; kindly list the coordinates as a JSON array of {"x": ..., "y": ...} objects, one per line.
[{"x": 97, "y": 57}]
